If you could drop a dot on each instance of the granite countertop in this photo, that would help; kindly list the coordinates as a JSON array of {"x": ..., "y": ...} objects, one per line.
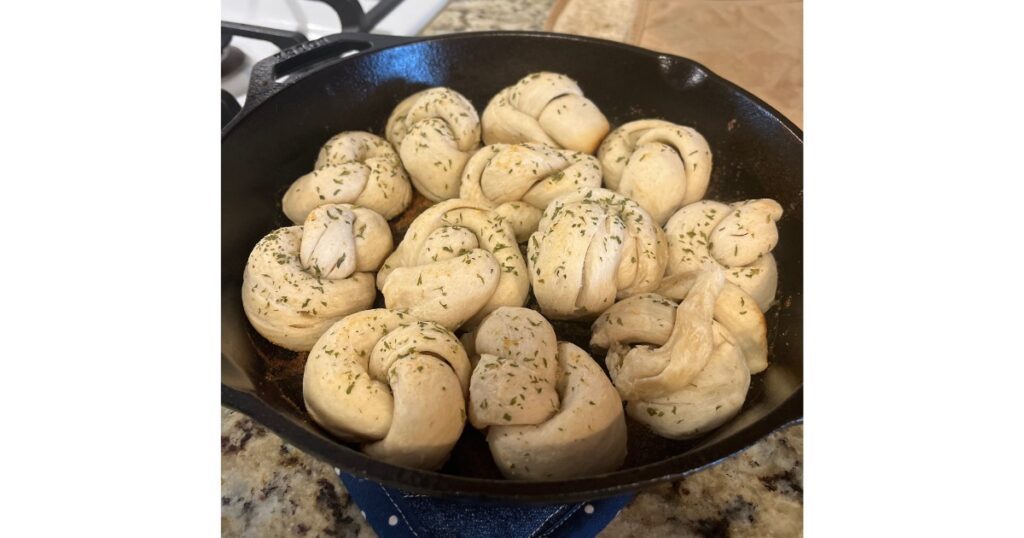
[
  {"x": 269, "y": 488},
  {"x": 481, "y": 15}
]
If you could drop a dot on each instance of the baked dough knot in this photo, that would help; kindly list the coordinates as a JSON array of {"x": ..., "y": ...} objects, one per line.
[
  {"x": 684, "y": 368},
  {"x": 353, "y": 167},
  {"x": 435, "y": 130},
  {"x": 591, "y": 247},
  {"x": 739, "y": 237},
  {"x": 458, "y": 262},
  {"x": 520, "y": 180},
  {"x": 661, "y": 165},
  {"x": 550, "y": 411},
  {"x": 392, "y": 382},
  {"x": 547, "y": 108},
  {"x": 301, "y": 279}
]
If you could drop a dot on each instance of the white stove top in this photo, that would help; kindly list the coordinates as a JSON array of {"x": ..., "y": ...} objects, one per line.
[{"x": 309, "y": 17}]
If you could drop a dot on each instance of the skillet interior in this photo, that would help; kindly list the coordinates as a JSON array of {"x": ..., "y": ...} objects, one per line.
[{"x": 757, "y": 154}]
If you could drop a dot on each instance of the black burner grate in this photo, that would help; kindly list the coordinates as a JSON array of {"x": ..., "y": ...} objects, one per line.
[{"x": 350, "y": 13}]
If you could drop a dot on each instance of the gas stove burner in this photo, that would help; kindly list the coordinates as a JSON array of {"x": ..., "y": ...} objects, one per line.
[
  {"x": 256, "y": 29},
  {"x": 282, "y": 38}
]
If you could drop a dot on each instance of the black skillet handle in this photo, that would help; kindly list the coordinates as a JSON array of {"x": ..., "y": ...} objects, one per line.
[{"x": 279, "y": 71}]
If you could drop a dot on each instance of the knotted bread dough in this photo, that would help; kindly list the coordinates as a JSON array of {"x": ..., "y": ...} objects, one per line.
[
  {"x": 661, "y": 165},
  {"x": 435, "y": 131},
  {"x": 391, "y": 381},
  {"x": 353, "y": 167},
  {"x": 547, "y": 108},
  {"x": 458, "y": 262},
  {"x": 683, "y": 368},
  {"x": 520, "y": 180},
  {"x": 301, "y": 279},
  {"x": 735, "y": 311},
  {"x": 552, "y": 413},
  {"x": 739, "y": 237},
  {"x": 591, "y": 247}
]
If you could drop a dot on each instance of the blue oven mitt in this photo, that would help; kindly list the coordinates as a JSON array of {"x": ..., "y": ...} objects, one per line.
[{"x": 393, "y": 513}]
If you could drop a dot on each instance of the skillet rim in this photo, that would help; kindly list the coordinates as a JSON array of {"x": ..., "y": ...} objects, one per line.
[{"x": 354, "y": 462}]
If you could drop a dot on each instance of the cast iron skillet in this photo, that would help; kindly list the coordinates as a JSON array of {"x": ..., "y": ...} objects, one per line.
[{"x": 304, "y": 95}]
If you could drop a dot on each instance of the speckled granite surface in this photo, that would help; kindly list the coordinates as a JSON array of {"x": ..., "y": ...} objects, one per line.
[
  {"x": 269, "y": 488},
  {"x": 479, "y": 15},
  {"x": 758, "y": 492}
]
